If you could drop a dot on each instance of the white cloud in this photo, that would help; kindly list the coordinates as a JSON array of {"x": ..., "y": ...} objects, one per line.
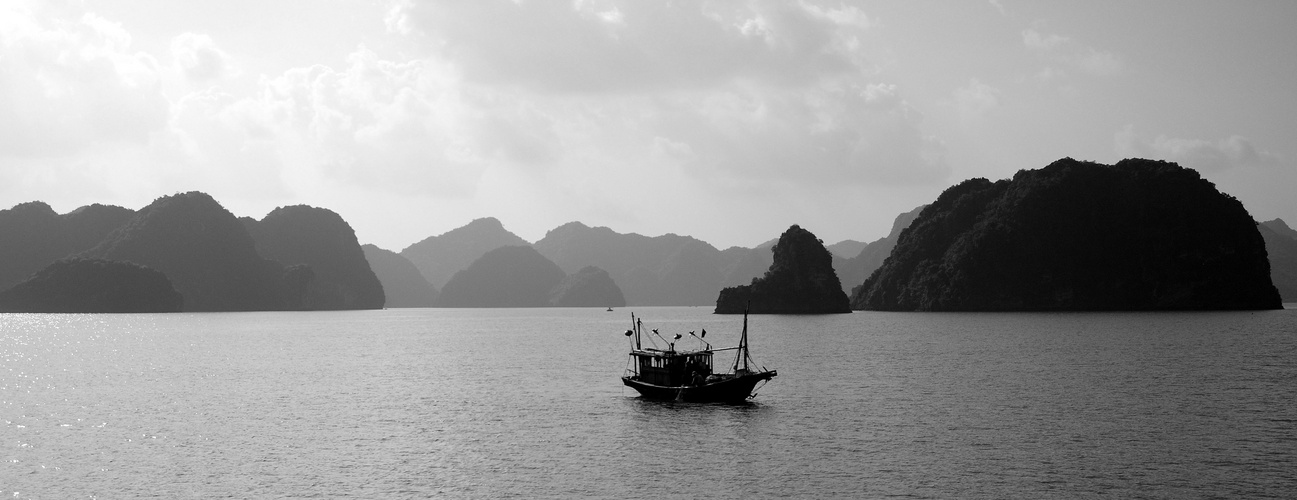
[
  {"x": 1099, "y": 63},
  {"x": 976, "y": 100},
  {"x": 394, "y": 126},
  {"x": 1042, "y": 42},
  {"x": 561, "y": 47},
  {"x": 1057, "y": 49},
  {"x": 66, "y": 84},
  {"x": 73, "y": 89},
  {"x": 558, "y": 103},
  {"x": 999, "y": 7},
  {"x": 1205, "y": 155},
  {"x": 840, "y": 15},
  {"x": 834, "y": 133},
  {"x": 199, "y": 59},
  {"x": 759, "y": 90}
]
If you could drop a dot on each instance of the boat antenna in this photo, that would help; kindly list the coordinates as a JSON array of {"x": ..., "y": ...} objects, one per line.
[
  {"x": 664, "y": 339},
  {"x": 639, "y": 332},
  {"x": 700, "y": 339}
]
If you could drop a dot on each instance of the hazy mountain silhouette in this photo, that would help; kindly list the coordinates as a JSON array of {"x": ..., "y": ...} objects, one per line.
[
  {"x": 1281, "y": 248},
  {"x": 510, "y": 276},
  {"x": 589, "y": 287},
  {"x": 32, "y": 236},
  {"x": 186, "y": 238},
  {"x": 1138, "y": 235},
  {"x": 846, "y": 248},
  {"x": 93, "y": 286},
  {"x": 741, "y": 265},
  {"x": 668, "y": 270},
  {"x": 1281, "y": 228},
  {"x": 853, "y": 271},
  {"x": 321, "y": 239},
  {"x": 800, "y": 280},
  {"x": 203, "y": 249},
  {"x": 403, "y": 284},
  {"x": 440, "y": 257}
]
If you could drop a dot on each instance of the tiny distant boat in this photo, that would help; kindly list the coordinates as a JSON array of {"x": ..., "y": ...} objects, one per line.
[
  {"x": 678, "y": 375},
  {"x": 610, "y": 309}
]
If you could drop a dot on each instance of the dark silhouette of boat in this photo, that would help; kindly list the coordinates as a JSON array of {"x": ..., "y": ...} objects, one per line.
[{"x": 678, "y": 375}]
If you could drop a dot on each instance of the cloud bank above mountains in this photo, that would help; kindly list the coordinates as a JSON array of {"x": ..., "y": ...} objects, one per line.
[{"x": 412, "y": 117}]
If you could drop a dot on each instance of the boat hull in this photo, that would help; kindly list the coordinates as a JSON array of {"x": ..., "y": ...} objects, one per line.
[{"x": 735, "y": 389}]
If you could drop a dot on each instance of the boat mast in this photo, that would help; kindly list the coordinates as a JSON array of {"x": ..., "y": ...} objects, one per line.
[
  {"x": 635, "y": 326},
  {"x": 743, "y": 344}
]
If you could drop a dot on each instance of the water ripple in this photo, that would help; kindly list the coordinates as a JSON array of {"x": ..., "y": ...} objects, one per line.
[{"x": 526, "y": 404}]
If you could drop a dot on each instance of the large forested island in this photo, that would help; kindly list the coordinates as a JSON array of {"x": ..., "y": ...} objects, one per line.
[
  {"x": 1137, "y": 235},
  {"x": 181, "y": 252},
  {"x": 319, "y": 238}
]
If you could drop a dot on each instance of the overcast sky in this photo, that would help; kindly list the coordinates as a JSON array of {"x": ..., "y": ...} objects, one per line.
[{"x": 728, "y": 121}]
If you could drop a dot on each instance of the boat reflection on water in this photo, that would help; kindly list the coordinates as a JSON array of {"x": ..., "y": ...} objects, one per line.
[{"x": 680, "y": 375}]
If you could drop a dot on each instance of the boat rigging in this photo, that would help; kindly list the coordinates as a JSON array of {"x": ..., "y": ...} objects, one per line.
[{"x": 681, "y": 375}]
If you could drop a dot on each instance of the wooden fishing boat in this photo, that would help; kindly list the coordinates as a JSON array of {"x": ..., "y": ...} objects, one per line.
[{"x": 681, "y": 375}]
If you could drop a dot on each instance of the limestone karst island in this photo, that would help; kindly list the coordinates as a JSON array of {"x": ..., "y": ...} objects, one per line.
[{"x": 1072, "y": 236}]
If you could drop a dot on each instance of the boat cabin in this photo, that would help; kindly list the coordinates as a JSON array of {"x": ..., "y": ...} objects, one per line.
[{"x": 673, "y": 368}]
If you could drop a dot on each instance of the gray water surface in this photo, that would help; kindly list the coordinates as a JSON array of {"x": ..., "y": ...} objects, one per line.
[{"x": 527, "y": 403}]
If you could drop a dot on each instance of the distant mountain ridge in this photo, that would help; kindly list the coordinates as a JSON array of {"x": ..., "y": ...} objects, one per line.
[
  {"x": 667, "y": 270},
  {"x": 1281, "y": 250},
  {"x": 509, "y": 276},
  {"x": 740, "y": 265},
  {"x": 589, "y": 287},
  {"x": 660, "y": 270},
  {"x": 440, "y": 257},
  {"x": 519, "y": 276},
  {"x": 1281, "y": 228},
  {"x": 855, "y": 270},
  {"x": 846, "y": 248},
  {"x": 403, "y": 284}
]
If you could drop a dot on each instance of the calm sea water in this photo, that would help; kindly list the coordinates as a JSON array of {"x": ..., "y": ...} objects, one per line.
[{"x": 527, "y": 403}]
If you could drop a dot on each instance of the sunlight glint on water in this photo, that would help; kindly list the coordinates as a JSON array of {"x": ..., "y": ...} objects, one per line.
[{"x": 527, "y": 403}]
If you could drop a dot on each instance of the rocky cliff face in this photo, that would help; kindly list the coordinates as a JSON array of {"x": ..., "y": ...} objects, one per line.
[
  {"x": 32, "y": 236},
  {"x": 1138, "y": 235},
  {"x": 403, "y": 284},
  {"x": 93, "y": 286},
  {"x": 589, "y": 287},
  {"x": 440, "y": 257},
  {"x": 800, "y": 281},
  {"x": 321, "y": 239},
  {"x": 203, "y": 249},
  {"x": 511, "y": 276}
]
